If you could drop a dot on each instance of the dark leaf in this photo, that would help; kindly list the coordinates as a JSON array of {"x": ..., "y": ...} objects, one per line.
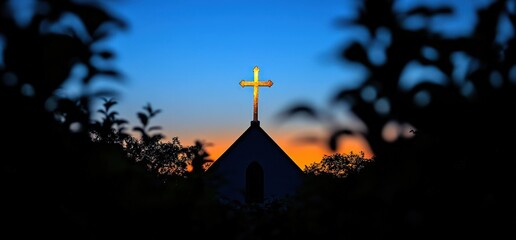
[
  {"x": 148, "y": 108},
  {"x": 346, "y": 95},
  {"x": 139, "y": 129},
  {"x": 308, "y": 139},
  {"x": 428, "y": 12},
  {"x": 112, "y": 73},
  {"x": 113, "y": 114},
  {"x": 301, "y": 109},
  {"x": 357, "y": 53},
  {"x": 143, "y": 118},
  {"x": 99, "y": 35},
  {"x": 334, "y": 138},
  {"x": 156, "y": 112},
  {"x": 154, "y": 128},
  {"x": 109, "y": 104},
  {"x": 121, "y": 121},
  {"x": 94, "y": 17},
  {"x": 157, "y": 137},
  {"x": 106, "y": 54}
]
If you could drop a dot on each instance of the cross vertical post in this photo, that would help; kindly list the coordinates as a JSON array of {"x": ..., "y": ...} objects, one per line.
[{"x": 255, "y": 84}]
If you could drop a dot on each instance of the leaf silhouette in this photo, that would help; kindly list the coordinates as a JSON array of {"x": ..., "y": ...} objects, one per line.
[
  {"x": 113, "y": 114},
  {"x": 154, "y": 128},
  {"x": 106, "y": 54},
  {"x": 139, "y": 129},
  {"x": 357, "y": 53},
  {"x": 309, "y": 139},
  {"x": 334, "y": 138},
  {"x": 156, "y": 112},
  {"x": 428, "y": 12},
  {"x": 94, "y": 17},
  {"x": 148, "y": 108},
  {"x": 143, "y": 118},
  {"x": 109, "y": 103},
  {"x": 120, "y": 122},
  {"x": 111, "y": 73},
  {"x": 301, "y": 109},
  {"x": 346, "y": 95}
]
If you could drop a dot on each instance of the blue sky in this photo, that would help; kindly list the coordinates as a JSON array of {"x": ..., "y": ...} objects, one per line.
[{"x": 187, "y": 58}]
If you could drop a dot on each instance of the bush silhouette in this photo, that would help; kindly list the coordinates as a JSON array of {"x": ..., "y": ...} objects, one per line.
[
  {"x": 451, "y": 172},
  {"x": 451, "y": 168}
]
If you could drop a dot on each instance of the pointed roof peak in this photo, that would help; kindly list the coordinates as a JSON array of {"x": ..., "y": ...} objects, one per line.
[{"x": 255, "y": 123}]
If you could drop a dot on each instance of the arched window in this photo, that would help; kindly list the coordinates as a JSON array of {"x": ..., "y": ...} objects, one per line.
[{"x": 254, "y": 183}]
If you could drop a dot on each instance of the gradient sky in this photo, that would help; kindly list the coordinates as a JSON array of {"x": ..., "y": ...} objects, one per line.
[{"x": 187, "y": 58}]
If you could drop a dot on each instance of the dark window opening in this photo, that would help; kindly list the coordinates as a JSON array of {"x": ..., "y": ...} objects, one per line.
[{"x": 254, "y": 183}]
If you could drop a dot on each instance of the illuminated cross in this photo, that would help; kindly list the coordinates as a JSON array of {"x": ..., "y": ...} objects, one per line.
[{"x": 255, "y": 84}]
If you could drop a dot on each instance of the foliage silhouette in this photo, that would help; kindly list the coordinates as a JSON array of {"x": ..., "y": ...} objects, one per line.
[
  {"x": 163, "y": 159},
  {"x": 111, "y": 129},
  {"x": 200, "y": 161},
  {"x": 53, "y": 183},
  {"x": 339, "y": 165},
  {"x": 453, "y": 173},
  {"x": 144, "y": 129},
  {"x": 64, "y": 177}
]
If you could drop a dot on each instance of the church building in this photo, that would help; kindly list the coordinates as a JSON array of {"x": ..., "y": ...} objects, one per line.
[{"x": 254, "y": 169}]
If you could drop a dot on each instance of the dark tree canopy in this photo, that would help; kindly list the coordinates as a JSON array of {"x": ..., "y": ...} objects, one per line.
[
  {"x": 451, "y": 173},
  {"x": 339, "y": 165},
  {"x": 453, "y": 169}
]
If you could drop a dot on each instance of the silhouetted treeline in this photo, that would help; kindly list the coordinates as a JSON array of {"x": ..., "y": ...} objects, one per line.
[
  {"x": 61, "y": 175},
  {"x": 339, "y": 165},
  {"x": 64, "y": 176},
  {"x": 454, "y": 173}
]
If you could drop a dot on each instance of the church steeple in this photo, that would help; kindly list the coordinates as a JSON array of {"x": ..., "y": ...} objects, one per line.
[{"x": 254, "y": 169}]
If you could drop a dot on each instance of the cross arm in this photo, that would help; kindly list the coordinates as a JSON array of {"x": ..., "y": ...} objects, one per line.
[
  {"x": 244, "y": 83},
  {"x": 266, "y": 84}
]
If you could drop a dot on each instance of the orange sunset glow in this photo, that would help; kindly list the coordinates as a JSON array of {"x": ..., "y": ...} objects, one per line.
[
  {"x": 301, "y": 153},
  {"x": 334, "y": 119}
]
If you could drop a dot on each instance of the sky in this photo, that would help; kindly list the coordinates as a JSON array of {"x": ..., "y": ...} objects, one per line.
[{"x": 187, "y": 57}]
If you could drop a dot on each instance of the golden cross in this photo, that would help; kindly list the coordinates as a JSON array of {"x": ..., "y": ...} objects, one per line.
[{"x": 255, "y": 84}]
